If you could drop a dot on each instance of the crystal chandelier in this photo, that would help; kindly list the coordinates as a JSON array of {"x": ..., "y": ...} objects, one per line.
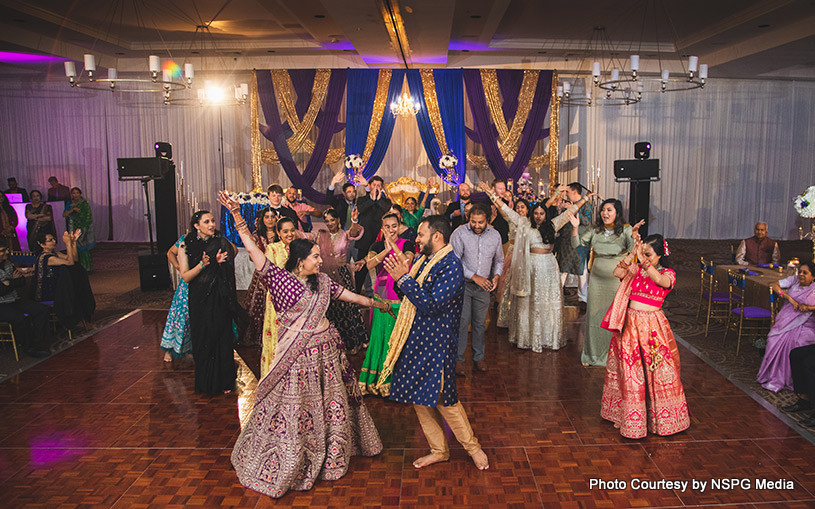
[{"x": 405, "y": 106}]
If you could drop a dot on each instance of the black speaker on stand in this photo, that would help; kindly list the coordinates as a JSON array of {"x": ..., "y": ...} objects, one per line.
[
  {"x": 164, "y": 193},
  {"x": 154, "y": 271},
  {"x": 640, "y": 172}
]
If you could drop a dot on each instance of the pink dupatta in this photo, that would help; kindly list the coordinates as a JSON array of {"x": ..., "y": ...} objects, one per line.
[{"x": 614, "y": 320}]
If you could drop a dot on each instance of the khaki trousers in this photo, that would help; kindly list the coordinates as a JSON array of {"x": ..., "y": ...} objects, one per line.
[{"x": 430, "y": 419}]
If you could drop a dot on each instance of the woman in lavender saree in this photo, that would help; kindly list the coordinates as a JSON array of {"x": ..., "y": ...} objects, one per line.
[
  {"x": 794, "y": 326},
  {"x": 309, "y": 417}
]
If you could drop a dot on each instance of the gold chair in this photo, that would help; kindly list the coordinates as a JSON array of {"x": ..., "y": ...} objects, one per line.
[
  {"x": 7, "y": 336},
  {"x": 752, "y": 320},
  {"x": 717, "y": 303}
]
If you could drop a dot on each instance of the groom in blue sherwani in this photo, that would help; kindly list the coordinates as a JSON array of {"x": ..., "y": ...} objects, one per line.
[{"x": 424, "y": 374}]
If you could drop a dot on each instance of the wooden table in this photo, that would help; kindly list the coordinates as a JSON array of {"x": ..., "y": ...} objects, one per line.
[{"x": 757, "y": 287}]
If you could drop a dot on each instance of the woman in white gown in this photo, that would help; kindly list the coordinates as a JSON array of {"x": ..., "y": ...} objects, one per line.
[{"x": 536, "y": 307}]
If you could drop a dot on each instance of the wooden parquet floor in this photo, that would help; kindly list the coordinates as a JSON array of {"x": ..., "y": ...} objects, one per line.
[{"x": 108, "y": 424}]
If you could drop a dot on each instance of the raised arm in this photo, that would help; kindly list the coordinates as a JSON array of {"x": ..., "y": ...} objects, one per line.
[{"x": 510, "y": 215}]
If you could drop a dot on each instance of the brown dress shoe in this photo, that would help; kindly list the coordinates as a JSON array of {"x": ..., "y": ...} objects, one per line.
[
  {"x": 480, "y": 366},
  {"x": 460, "y": 370}
]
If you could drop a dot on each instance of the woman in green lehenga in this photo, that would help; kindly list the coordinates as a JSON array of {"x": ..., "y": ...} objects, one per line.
[
  {"x": 382, "y": 321},
  {"x": 78, "y": 213}
]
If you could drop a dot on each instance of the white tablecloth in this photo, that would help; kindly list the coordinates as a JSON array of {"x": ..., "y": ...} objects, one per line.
[{"x": 244, "y": 268}]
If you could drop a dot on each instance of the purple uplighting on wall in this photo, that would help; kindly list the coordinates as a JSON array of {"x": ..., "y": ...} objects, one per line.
[
  {"x": 9, "y": 57},
  {"x": 468, "y": 46},
  {"x": 342, "y": 45}
]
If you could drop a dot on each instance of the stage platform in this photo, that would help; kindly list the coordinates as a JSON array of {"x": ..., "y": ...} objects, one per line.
[{"x": 107, "y": 423}]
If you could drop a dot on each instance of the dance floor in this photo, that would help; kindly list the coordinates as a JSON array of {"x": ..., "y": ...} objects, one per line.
[{"x": 107, "y": 423}]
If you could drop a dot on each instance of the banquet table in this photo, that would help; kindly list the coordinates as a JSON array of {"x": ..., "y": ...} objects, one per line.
[{"x": 757, "y": 283}]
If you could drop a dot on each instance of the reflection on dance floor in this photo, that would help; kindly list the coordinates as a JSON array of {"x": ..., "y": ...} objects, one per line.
[{"x": 108, "y": 423}]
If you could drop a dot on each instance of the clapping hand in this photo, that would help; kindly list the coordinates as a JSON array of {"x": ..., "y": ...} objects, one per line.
[
  {"x": 76, "y": 234},
  {"x": 221, "y": 256},
  {"x": 484, "y": 187},
  {"x": 573, "y": 219},
  {"x": 396, "y": 263},
  {"x": 635, "y": 230},
  {"x": 66, "y": 238}
]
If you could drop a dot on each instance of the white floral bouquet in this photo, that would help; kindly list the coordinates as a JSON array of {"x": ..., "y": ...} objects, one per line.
[
  {"x": 353, "y": 165},
  {"x": 805, "y": 203},
  {"x": 449, "y": 162},
  {"x": 255, "y": 198}
]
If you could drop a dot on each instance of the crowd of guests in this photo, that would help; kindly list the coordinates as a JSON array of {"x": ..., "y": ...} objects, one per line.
[
  {"x": 58, "y": 281},
  {"x": 412, "y": 285}
]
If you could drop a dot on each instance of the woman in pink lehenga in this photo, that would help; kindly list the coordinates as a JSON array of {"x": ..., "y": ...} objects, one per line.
[
  {"x": 793, "y": 327},
  {"x": 309, "y": 417},
  {"x": 642, "y": 391}
]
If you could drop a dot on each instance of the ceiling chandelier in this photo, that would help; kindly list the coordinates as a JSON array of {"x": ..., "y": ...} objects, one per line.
[
  {"x": 167, "y": 78},
  {"x": 405, "y": 106},
  {"x": 618, "y": 84},
  {"x": 159, "y": 80}
]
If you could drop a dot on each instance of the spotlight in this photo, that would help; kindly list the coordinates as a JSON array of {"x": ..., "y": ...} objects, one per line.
[{"x": 642, "y": 150}]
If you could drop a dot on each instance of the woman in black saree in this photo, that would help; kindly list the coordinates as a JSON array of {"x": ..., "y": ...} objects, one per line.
[{"x": 207, "y": 264}]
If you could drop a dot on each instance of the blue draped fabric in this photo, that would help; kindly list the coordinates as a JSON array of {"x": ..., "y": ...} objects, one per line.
[
  {"x": 248, "y": 211},
  {"x": 359, "y": 110},
  {"x": 450, "y": 94},
  {"x": 327, "y": 123}
]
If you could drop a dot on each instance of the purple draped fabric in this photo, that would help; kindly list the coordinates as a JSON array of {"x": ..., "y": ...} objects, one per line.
[
  {"x": 486, "y": 133},
  {"x": 326, "y": 123}
]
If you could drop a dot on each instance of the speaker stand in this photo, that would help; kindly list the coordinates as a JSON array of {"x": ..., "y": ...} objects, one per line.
[
  {"x": 144, "y": 183},
  {"x": 639, "y": 199}
]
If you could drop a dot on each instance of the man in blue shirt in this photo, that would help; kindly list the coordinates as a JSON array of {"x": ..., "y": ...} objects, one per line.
[{"x": 478, "y": 246}]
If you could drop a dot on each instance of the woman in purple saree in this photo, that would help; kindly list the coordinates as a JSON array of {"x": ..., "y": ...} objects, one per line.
[
  {"x": 793, "y": 327},
  {"x": 309, "y": 417}
]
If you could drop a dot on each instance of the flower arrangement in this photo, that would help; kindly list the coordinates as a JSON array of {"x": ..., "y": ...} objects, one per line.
[
  {"x": 449, "y": 162},
  {"x": 523, "y": 189},
  {"x": 353, "y": 165},
  {"x": 255, "y": 197},
  {"x": 805, "y": 203}
]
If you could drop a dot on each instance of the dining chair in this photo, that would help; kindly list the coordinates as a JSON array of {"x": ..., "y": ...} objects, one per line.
[
  {"x": 716, "y": 303},
  {"x": 753, "y": 320},
  {"x": 7, "y": 336}
]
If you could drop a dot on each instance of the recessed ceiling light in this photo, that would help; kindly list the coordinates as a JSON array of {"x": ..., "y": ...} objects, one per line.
[
  {"x": 763, "y": 25},
  {"x": 195, "y": 52},
  {"x": 270, "y": 51},
  {"x": 475, "y": 16},
  {"x": 541, "y": 52},
  {"x": 319, "y": 16}
]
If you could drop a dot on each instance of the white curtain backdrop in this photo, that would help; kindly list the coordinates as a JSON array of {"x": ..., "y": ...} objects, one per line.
[{"x": 731, "y": 154}]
